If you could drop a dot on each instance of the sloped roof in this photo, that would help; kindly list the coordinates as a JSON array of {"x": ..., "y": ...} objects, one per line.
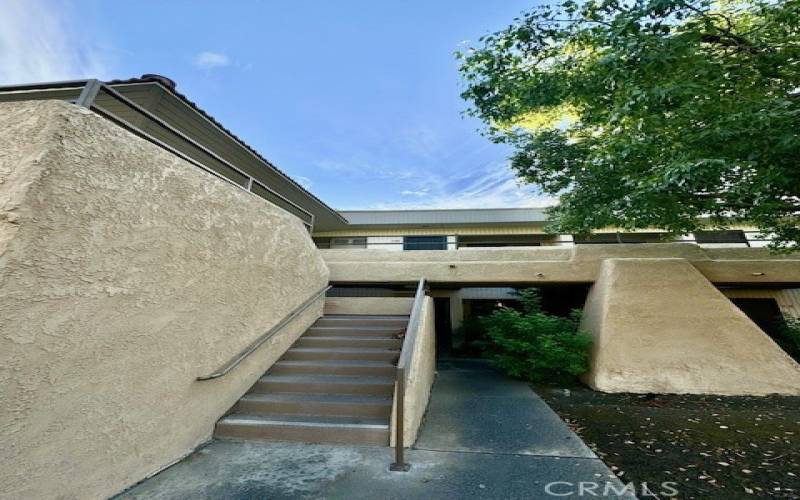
[
  {"x": 170, "y": 86},
  {"x": 145, "y": 91},
  {"x": 326, "y": 217}
]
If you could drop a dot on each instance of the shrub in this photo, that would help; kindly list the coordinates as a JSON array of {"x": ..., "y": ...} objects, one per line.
[
  {"x": 789, "y": 337},
  {"x": 536, "y": 346}
]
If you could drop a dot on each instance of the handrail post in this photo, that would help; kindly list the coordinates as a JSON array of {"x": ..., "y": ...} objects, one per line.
[
  {"x": 399, "y": 464},
  {"x": 88, "y": 94}
]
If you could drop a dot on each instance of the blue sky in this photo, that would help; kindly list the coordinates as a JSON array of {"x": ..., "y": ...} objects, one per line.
[{"x": 357, "y": 100}]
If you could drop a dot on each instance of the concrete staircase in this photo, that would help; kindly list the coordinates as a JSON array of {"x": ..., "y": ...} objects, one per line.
[{"x": 334, "y": 385}]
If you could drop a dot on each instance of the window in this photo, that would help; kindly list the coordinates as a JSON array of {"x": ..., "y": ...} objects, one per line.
[
  {"x": 425, "y": 243},
  {"x": 720, "y": 237},
  {"x": 622, "y": 238},
  {"x": 493, "y": 240},
  {"x": 349, "y": 242},
  {"x": 596, "y": 238}
]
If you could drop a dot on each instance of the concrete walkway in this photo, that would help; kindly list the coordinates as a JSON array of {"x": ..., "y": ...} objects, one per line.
[
  {"x": 485, "y": 436},
  {"x": 476, "y": 409}
]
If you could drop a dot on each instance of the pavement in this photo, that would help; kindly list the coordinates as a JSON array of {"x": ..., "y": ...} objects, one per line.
[{"x": 485, "y": 436}]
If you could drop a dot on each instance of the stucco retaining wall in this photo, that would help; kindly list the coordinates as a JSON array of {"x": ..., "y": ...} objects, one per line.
[
  {"x": 681, "y": 336},
  {"x": 125, "y": 273},
  {"x": 421, "y": 373}
]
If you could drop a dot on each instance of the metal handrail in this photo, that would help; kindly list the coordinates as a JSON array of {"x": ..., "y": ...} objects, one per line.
[
  {"x": 90, "y": 88},
  {"x": 87, "y": 99},
  {"x": 230, "y": 365},
  {"x": 406, "y": 352},
  {"x": 63, "y": 84}
]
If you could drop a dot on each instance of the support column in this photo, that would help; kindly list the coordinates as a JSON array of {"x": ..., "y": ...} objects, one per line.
[
  {"x": 456, "y": 315},
  {"x": 563, "y": 240},
  {"x": 456, "y": 309}
]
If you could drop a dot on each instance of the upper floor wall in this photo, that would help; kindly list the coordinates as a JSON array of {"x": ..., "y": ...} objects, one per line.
[
  {"x": 533, "y": 265},
  {"x": 443, "y": 238}
]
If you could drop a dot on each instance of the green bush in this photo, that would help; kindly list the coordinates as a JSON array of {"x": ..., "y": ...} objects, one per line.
[
  {"x": 789, "y": 337},
  {"x": 536, "y": 346}
]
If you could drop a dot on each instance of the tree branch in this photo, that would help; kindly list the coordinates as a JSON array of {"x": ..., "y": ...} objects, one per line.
[{"x": 730, "y": 40}]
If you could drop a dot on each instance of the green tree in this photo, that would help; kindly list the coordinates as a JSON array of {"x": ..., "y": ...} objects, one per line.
[
  {"x": 675, "y": 114},
  {"x": 534, "y": 345}
]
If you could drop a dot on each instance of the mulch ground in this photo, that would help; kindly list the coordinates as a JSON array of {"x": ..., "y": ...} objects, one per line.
[{"x": 712, "y": 446}]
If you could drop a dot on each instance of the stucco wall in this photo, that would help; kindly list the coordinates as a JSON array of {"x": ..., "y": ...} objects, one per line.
[
  {"x": 421, "y": 373},
  {"x": 125, "y": 273},
  {"x": 681, "y": 336},
  {"x": 579, "y": 264}
]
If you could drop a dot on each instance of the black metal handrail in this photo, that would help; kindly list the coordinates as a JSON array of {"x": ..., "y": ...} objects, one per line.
[
  {"x": 234, "y": 362},
  {"x": 406, "y": 354}
]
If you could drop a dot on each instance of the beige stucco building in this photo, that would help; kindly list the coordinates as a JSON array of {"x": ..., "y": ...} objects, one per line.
[{"x": 154, "y": 267}]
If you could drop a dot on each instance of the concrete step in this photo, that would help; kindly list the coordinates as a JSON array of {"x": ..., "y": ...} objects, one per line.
[
  {"x": 354, "y": 353},
  {"x": 324, "y": 384},
  {"x": 368, "y": 317},
  {"x": 363, "y": 321},
  {"x": 334, "y": 385},
  {"x": 343, "y": 405},
  {"x": 334, "y": 367},
  {"x": 354, "y": 331},
  {"x": 310, "y": 429},
  {"x": 347, "y": 342}
]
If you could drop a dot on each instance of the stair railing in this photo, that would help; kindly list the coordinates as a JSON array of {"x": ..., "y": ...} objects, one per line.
[
  {"x": 406, "y": 355},
  {"x": 250, "y": 349},
  {"x": 94, "y": 95}
]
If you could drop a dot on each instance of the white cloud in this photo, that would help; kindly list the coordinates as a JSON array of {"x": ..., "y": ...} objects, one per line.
[
  {"x": 360, "y": 167},
  {"x": 495, "y": 186},
  {"x": 419, "y": 193},
  {"x": 39, "y": 42},
  {"x": 422, "y": 141},
  {"x": 303, "y": 181},
  {"x": 208, "y": 60}
]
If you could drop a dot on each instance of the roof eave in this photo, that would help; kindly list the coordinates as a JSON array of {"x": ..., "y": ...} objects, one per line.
[{"x": 213, "y": 121}]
